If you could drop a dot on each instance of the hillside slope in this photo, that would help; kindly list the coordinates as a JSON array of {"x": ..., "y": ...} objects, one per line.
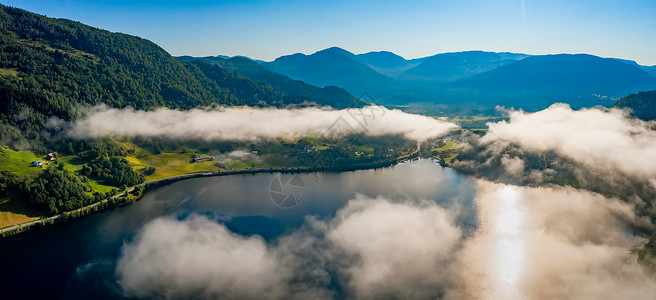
[
  {"x": 387, "y": 63},
  {"x": 333, "y": 66},
  {"x": 580, "y": 80},
  {"x": 49, "y": 67},
  {"x": 458, "y": 65},
  {"x": 642, "y": 105},
  {"x": 329, "y": 95}
]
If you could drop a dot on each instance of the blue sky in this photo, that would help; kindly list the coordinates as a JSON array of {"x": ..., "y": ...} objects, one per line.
[{"x": 268, "y": 29}]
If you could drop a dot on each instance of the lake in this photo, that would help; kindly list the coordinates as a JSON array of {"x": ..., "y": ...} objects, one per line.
[{"x": 414, "y": 230}]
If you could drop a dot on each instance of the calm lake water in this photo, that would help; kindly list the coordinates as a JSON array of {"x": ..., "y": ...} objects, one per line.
[{"x": 487, "y": 241}]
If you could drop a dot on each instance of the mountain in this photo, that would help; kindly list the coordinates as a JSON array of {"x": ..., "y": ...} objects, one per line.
[
  {"x": 642, "y": 105},
  {"x": 386, "y": 63},
  {"x": 248, "y": 91},
  {"x": 474, "y": 78},
  {"x": 224, "y": 57},
  {"x": 382, "y": 60},
  {"x": 329, "y": 95},
  {"x": 452, "y": 66},
  {"x": 536, "y": 81},
  {"x": 49, "y": 67},
  {"x": 650, "y": 70},
  {"x": 333, "y": 66}
]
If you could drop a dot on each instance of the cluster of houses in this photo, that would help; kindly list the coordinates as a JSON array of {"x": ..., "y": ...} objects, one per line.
[{"x": 51, "y": 156}]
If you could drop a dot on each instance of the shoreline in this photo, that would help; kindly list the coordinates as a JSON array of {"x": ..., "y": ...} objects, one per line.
[{"x": 112, "y": 202}]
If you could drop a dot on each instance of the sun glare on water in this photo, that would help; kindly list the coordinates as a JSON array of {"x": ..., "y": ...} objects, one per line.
[{"x": 509, "y": 245}]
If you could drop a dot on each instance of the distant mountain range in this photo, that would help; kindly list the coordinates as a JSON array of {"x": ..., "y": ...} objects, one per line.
[
  {"x": 580, "y": 80},
  {"x": 333, "y": 66},
  {"x": 472, "y": 77}
]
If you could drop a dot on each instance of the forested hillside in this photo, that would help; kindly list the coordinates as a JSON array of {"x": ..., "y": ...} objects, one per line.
[
  {"x": 48, "y": 67},
  {"x": 642, "y": 105},
  {"x": 329, "y": 95}
]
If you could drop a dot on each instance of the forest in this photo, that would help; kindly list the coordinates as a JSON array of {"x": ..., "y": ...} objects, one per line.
[
  {"x": 642, "y": 105},
  {"x": 52, "y": 67}
]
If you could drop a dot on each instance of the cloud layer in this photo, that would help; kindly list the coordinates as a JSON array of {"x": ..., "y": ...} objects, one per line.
[
  {"x": 234, "y": 124},
  {"x": 533, "y": 243},
  {"x": 599, "y": 138}
]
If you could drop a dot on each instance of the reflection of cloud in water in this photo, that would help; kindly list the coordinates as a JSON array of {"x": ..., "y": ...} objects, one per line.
[
  {"x": 550, "y": 243},
  {"x": 532, "y": 243}
]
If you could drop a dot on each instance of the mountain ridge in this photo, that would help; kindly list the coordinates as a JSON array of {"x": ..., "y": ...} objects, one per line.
[
  {"x": 329, "y": 95},
  {"x": 474, "y": 77}
]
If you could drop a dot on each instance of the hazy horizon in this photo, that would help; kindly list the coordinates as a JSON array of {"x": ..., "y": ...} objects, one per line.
[
  {"x": 310, "y": 52},
  {"x": 266, "y": 30}
]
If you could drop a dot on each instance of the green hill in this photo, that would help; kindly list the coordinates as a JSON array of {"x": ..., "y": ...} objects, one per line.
[
  {"x": 329, "y": 95},
  {"x": 48, "y": 67},
  {"x": 642, "y": 105}
]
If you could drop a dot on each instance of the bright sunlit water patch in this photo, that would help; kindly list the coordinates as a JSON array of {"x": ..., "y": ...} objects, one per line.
[
  {"x": 498, "y": 251},
  {"x": 509, "y": 240}
]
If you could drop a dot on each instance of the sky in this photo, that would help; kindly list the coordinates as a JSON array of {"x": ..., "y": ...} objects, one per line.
[{"x": 269, "y": 29}]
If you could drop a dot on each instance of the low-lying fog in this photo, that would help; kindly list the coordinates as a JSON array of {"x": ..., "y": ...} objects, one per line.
[{"x": 248, "y": 124}]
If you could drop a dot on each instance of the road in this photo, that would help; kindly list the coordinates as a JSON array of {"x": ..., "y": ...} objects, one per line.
[
  {"x": 55, "y": 217},
  {"x": 404, "y": 157}
]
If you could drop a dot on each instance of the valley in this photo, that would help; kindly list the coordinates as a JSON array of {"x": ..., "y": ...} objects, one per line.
[{"x": 133, "y": 165}]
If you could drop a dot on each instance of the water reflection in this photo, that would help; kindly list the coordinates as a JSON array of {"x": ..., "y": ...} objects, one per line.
[
  {"x": 550, "y": 243},
  {"x": 509, "y": 237},
  {"x": 476, "y": 239}
]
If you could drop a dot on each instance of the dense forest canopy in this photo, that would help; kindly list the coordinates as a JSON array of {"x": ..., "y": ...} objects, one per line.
[
  {"x": 328, "y": 95},
  {"x": 642, "y": 105}
]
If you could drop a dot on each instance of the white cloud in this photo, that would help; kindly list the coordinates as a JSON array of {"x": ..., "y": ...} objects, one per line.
[
  {"x": 248, "y": 124},
  {"x": 514, "y": 166},
  {"x": 599, "y": 138}
]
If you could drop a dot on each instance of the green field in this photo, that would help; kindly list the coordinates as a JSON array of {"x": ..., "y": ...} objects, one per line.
[
  {"x": 14, "y": 210},
  {"x": 19, "y": 162},
  {"x": 169, "y": 164},
  {"x": 450, "y": 145},
  {"x": 450, "y": 157}
]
